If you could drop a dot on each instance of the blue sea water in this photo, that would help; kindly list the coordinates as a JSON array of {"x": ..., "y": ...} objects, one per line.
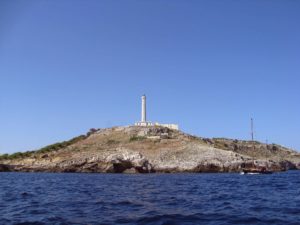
[{"x": 45, "y": 198}]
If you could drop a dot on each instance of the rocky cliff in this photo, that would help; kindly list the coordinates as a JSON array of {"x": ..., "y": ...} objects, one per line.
[{"x": 150, "y": 149}]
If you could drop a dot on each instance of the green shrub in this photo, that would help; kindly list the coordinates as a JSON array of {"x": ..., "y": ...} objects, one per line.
[
  {"x": 137, "y": 138},
  {"x": 49, "y": 148},
  {"x": 4, "y": 156},
  {"x": 112, "y": 142}
]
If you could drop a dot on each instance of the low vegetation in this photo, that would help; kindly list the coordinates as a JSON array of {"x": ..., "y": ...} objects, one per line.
[
  {"x": 112, "y": 142},
  {"x": 137, "y": 138},
  {"x": 47, "y": 149}
]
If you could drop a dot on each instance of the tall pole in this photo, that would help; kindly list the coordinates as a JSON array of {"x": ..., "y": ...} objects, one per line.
[
  {"x": 252, "y": 130},
  {"x": 143, "y": 119}
]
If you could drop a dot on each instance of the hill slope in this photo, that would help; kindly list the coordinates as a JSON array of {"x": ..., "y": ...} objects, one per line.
[{"x": 151, "y": 149}]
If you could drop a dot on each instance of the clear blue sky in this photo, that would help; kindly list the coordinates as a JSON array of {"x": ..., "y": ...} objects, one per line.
[{"x": 70, "y": 65}]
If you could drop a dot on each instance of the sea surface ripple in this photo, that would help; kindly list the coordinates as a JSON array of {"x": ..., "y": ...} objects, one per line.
[{"x": 45, "y": 198}]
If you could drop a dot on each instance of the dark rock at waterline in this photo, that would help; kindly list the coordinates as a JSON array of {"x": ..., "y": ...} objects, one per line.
[{"x": 5, "y": 168}]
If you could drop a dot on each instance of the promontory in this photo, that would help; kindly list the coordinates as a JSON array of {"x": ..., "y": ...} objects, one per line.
[{"x": 137, "y": 149}]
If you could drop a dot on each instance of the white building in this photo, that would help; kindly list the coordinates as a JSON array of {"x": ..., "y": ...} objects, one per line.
[{"x": 144, "y": 121}]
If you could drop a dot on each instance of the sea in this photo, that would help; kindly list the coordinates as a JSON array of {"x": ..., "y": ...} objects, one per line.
[{"x": 220, "y": 198}]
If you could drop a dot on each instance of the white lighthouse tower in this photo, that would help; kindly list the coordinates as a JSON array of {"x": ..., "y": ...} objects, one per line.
[
  {"x": 144, "y": 121},
  {"x": 143, "y": 118}
]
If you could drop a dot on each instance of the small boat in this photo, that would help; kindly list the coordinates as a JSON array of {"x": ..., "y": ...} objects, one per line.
[{"x": 255, "y": 171}]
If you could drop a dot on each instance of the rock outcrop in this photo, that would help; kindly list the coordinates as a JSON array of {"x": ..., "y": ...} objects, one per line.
[{"x": 151, "y": 149}]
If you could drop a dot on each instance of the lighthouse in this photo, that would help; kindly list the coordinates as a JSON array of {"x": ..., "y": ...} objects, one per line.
[
  {"x": 143, "y": 118},
  {"x": 144, "y": 123}
]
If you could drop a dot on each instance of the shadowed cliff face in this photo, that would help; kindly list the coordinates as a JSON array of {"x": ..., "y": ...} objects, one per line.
[{"x": 151, "y": 149}]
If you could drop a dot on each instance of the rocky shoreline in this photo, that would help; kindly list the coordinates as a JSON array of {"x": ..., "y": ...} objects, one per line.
[{"x": 151, "y": 150}]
